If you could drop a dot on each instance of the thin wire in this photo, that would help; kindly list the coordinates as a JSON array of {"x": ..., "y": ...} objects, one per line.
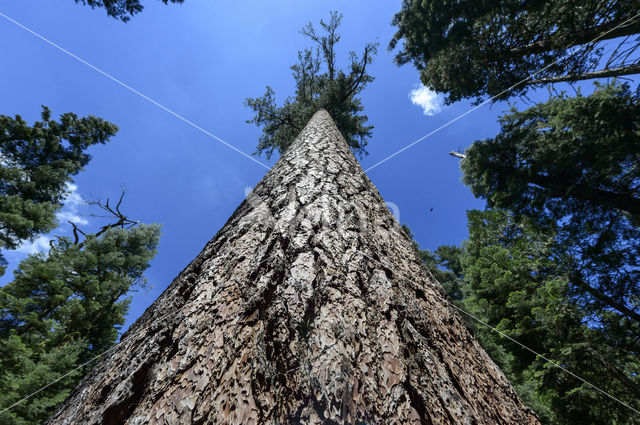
[
  {"x": 541, "y": 356},
  {"x": 375, "y": 165},
  {"x": 524, "y": 346},
  {"x": 365, "y": 255},
  {"x": 175, "y": 114},
  {"x": 499, "y": 94},
  {"x": 83, "y": 364}
]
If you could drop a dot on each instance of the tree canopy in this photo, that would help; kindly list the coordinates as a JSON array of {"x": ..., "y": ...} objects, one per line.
[
  {"x": 553, "y": 261},
  {"x": 120, "y": 9},
  {"x": 512, "y": 276},
  {"x": 320, "y": 83},
  {"x": 36, "y": 163},
  {"x": 471, "y": 49},
  {"x": 516, "y": 281},
  {"x": 573, "y": 164},
  {"x": 61, "y": 310}
]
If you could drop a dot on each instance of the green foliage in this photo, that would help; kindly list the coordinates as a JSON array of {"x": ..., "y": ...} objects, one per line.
[
  {"x": 36, "y": 163},
  {"x": 334, "y": 89},
  {"x": 515, "y": 281},
  {"x": 443, "y": 264},
  {"x": 120, "y": 9},
  {"x": 63, "y": 309},
  {"x": 553, "y": 262},
  {"x": 560, "y": 271},
  {"x": 472, "y": 48},
  {"x": 573, "y": 164},
  {"x": 511, "y": 277}
]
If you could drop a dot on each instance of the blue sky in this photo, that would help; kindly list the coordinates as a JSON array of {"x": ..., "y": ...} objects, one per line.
[{"x": 202, "y": 59}]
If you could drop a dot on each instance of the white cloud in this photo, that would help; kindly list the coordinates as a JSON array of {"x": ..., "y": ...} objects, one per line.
[
  {"x": 40, "y": 244},
  {"x": 70, "y": 211},
  {"x": 66, "y": 216},
  {"x": 430, "y": 101},
  {"x": 72, "y": 203},
  {"x": 73, "y": 198},
  {"x": 247, "y": 190}
]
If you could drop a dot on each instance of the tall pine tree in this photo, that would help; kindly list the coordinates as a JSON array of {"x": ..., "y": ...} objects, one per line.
[{"x": 320, "y": 84}]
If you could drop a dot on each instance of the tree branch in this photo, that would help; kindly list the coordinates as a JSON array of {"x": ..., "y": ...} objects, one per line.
[
  {"x": 583, "y": 37},
  {"x": 604, "y": 73},
  {"x": 597, "y": 294},
  {"x": 76, "y": 231},
  {"x": 287, "y": 121},
  {"x": 366, "y": 58},
  {"x": 614, "y": 370},
  {"x": 562, "y": 188}
]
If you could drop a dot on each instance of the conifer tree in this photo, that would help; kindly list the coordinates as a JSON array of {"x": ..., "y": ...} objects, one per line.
[
  {"x": 309, "y": 306},
  {"x": 472, "y": 49},
  {"x": 120, "y": 9},
  {"x": 320, "y": 84},
  {"x": 572, "y": 166},
  {"x": 61, "y": 310},
  {"x": 36, "y": 163}
]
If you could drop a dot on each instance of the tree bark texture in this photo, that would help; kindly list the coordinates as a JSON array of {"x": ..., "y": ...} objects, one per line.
[{"x": 310, "y": 306}]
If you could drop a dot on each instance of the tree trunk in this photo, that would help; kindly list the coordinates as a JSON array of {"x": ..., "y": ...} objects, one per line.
[{"x": 309, "y": 306}]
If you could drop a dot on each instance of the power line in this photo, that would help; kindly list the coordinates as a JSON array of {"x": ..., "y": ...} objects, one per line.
[
  {"x": 498, "y": 95},
  {"x": 91, "y": 360},
  {"x": 564, "y": 369},
  {"x": 95, "y": 68}
]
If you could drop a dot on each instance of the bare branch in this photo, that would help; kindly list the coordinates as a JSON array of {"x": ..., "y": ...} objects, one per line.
[
  {"x": 327, "y": 42},
  {"x": 369, "y": 50},
  {"x": 122, "y": 220},
  {"x": 76, "y": 231}
]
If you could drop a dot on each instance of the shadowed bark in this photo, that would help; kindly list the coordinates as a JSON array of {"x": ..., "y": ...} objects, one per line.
[{"x": 309, "y": 306}]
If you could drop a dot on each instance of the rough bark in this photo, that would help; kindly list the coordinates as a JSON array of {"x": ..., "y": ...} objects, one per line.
[{"x": 309, "y": 306}]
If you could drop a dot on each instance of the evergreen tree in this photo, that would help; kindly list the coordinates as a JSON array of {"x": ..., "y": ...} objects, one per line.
[
  {"x": 511, "y": 276},
  {"x": 36, "y": 163},
  {"x": 574, "y": 164},
  {"x": 318, "y": 312},
  {"x": 61, "y": 310},
  {"x": 120, "y": 9},
  {"x": 472, "y": 48},
  {"x": 516, "y": 282},
  {"x": 334, "y": 89},
  {"x": 444, "y": 264}
]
